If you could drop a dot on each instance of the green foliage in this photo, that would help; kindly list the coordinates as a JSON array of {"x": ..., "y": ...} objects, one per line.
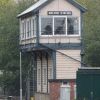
[
  {"x": 92, "y": 32},
  {"x": 9, "y": 45}
]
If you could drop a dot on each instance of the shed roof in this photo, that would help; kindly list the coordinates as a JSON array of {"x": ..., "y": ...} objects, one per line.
[{"x": 42, "y": 3}]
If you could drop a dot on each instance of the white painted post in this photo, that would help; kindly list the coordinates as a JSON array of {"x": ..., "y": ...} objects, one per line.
[{"x": 20, "y": 76}]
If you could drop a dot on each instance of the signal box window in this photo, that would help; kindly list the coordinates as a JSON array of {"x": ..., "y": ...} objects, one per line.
[
  {"x": 72, "y": 26},
  {"x": 59, "y": 26},
  {"x": 46, "y": 26}
]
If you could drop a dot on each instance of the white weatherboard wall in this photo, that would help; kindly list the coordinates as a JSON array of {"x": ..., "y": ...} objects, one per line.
[
  {"x": 50, "y": 73},
  {"x": 66, "y": 67},
  {"x": 62, "y": 39},
  {"x": 60, "y": 5},
  {"x": 38, "y": 77}
]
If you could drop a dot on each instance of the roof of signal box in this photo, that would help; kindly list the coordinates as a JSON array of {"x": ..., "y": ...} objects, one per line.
[{"x": 41, "y": 3}]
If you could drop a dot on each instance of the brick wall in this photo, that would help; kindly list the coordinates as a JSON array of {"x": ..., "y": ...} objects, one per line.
[
  {"x": 55, "y": 90},
  {"x": 72, "y": 94}
]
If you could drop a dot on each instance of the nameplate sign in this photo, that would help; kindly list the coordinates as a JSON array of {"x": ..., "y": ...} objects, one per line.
[{"x": 59, "y": 12}]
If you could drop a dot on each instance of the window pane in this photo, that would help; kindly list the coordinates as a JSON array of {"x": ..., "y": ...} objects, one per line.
[
  {"x": 46, "y": 26},
  {"x": 23, "y": 29},
  {"x": 34, "y": 27},
  {"x": 59, "y": 26},
  {"x": 30, "y": 28},
  {"x": 73, "y": 26},
  {"x": 27, "y": 28}
]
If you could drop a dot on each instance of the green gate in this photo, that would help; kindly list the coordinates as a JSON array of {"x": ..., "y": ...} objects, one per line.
[{"x": 88, "y": 84}]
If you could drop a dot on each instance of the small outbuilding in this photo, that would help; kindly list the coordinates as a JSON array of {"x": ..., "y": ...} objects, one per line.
[{"x": 88, "y": 83}]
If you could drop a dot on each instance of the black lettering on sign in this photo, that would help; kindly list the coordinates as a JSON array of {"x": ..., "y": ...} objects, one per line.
[{"x": 59, "y": 12}]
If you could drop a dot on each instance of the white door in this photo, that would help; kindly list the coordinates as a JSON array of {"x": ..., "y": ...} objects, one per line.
[{"x": 65, "y": 92}]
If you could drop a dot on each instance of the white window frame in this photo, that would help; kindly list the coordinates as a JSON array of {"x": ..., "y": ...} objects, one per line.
[
  {"x": 30, "y": 28},
  {"x": 74, "y": 35},
  {"x": 27, "y": 37},
  {"x": 54, "y": 24},
  {"x": 78, "y": 28},
  {"x": 62, "y": 87},
  {"x": 25, "y": 22},
  {"x": 40, "y": 25},
  {"x": 33, "y": 30},
  {"x": 22, "y": 31}
]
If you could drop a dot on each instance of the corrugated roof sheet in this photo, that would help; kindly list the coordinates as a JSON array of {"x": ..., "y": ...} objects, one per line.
[{"x": 33, "y": 7}]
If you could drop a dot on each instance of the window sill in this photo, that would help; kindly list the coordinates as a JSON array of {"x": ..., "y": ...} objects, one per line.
[
  {"x": 33, "y": 37},
  {"x": 59, "y": 36}
]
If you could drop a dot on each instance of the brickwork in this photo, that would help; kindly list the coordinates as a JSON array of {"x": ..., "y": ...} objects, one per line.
[
  {"x": 55, "y": 91},
  {"x": 72, "y": 94}
]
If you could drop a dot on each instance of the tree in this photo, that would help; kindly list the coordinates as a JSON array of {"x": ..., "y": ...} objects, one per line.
[
  {"x": 91, "y": 32},
  {"x": 9, "y": 45}
]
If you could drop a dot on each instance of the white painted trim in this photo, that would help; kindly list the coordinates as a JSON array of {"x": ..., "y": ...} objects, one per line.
[
  {"x": 30, "y": 28},
  {"x": 53, "y": 26},
  {"x": 65, "y": 86},
  {"x": 66, "y": 26},
  {"x": 25, "y": 28},
  {"x": 20, "y": 27},
  {"x": 90, "y": 68},
  {"x": 40, "y": 25},
  {"x": 22, "y": 31},
  {"x": 80, "y": 26},
  {"x": 33, "y": 28}
]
